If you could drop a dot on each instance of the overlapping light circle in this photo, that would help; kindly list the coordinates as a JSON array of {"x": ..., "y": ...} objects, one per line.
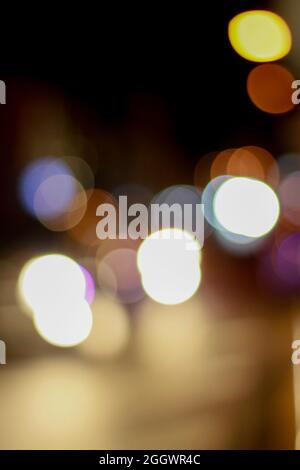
[
  {"x": 250, "y": 161},
  {"x": 53, "y": 190},
  {"x": 48, "y": 278},
  {"x": 54, "y": 287},
  {"x": 64, "y": 324},
  {"x": 119, "y": 277},
  {"x": 246, "y": 207},
  {"x": 37, "y": 173},
  {"x": 169, "y": 263}
]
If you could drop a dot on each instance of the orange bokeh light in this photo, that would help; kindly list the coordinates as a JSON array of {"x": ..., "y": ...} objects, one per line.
[
  {"x": 250, "y": 161},
  {"x": 269, "y": 88}
]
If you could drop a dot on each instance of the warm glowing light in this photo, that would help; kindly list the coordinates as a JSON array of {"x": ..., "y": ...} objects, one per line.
[
  {"x": 250, "y": 161},
  {"x": 269, "y": 88},
  {"x": 50, "y": 279},
  {"x": 243, "y": 162},
  {"x": 254, "y": 162},
  {"x": 64, "y": 324},
  {"x": 260, "y": 36},
  {"x": 220, "y": 162},
  {"x": 169, "y": 263},
  {"x": 246, "y": 206}
]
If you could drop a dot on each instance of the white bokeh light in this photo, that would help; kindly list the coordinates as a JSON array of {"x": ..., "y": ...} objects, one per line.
[
  {"x": 47, "y": 279},
  {"x": 246, "y": 206},
  {"x": 169, "y": 263},
  {"x": 63, "y": 324}
]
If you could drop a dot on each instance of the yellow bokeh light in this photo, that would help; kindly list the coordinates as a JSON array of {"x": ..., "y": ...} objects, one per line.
[{"x": 260, "y": 36}]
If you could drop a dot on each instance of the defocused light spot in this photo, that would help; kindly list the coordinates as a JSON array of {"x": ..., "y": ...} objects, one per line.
[
  {"x": 259, "y": 36},
  {"x": 172, "y": 290},
  {"x": 152, "y": 248},
  {"x": 250, "y": 161},
  {"x": 246, "y": 206},
  {"x": 64, "y": 324},
  {"x": 49, "y": 190},
  {"x": 243, "y": 162},
  {"x": 54, "y": 195},
  {"x": 220, "y": 162},
  {"x": 233, "y": 242},
  {"x": 255, "y": 162},
  {"x": 35, "y": 174},
  {"x": 269, "y": 88},
  {"x": 50, "y": 279},
  {"x": 188, "y": 200},
  {"x": 111, "y": 329},
  {"x": 118, "y": 275},
  {"x": 71, "y": 214},
  {"x": 169, "y": 263}
]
